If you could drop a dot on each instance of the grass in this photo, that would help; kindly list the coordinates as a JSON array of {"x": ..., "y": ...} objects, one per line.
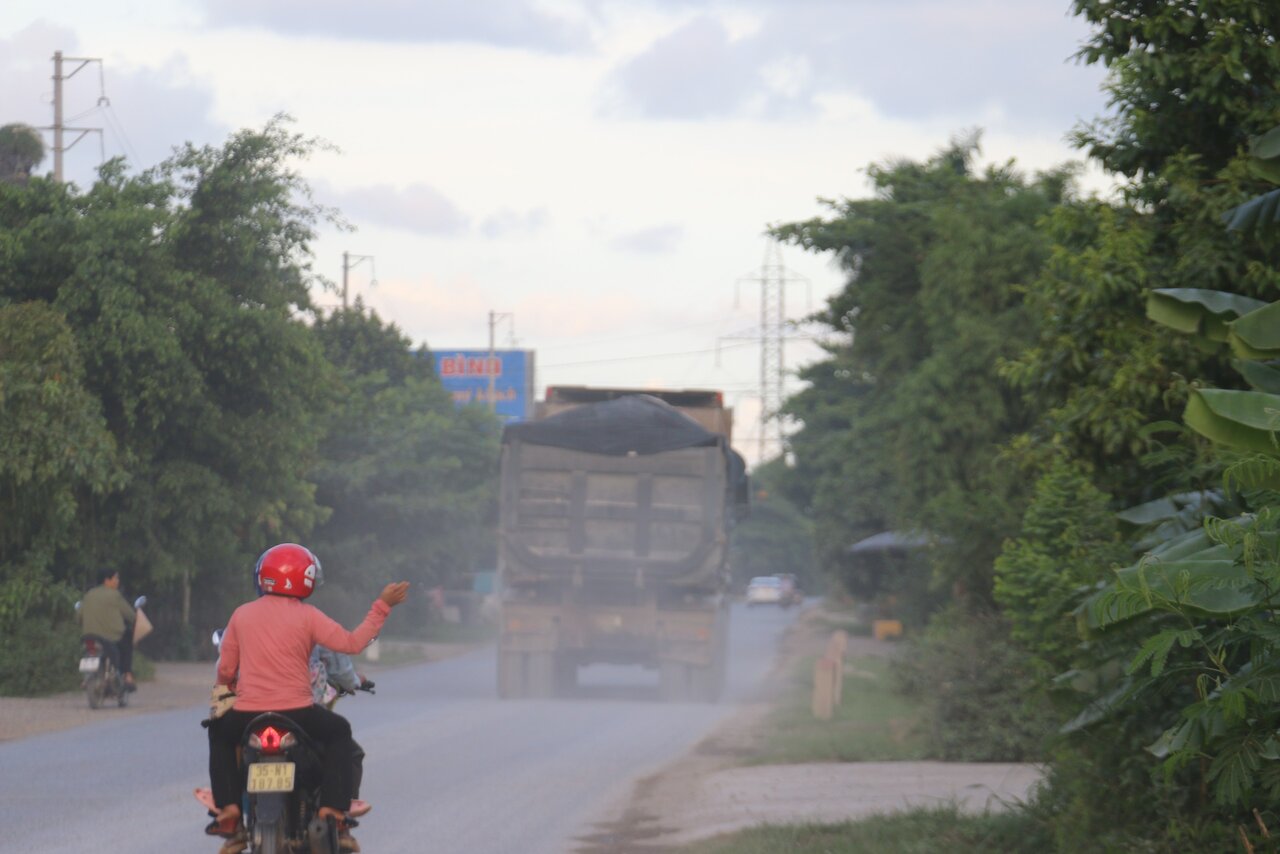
[
  {"x": 854, "y": 626},
  {"x": 144, "y": 669},
  {"x": 921, "y": 831},
  {"x": 871, "y": 724}
]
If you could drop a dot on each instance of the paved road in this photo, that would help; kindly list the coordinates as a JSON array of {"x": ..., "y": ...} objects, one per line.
[{"x": 450, "y": 768}]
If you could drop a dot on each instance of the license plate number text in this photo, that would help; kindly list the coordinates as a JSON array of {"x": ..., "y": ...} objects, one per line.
[{"x": 271, "y": 777}]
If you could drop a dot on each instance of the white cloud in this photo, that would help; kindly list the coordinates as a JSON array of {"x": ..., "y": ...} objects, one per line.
[
  {"x": 694, "y": 72},
  {"x": 503, "y": 23},
  {"x": 915, "y": 59},
  {"x": 510, "y": 223},
  {"x": 659, "y": 240},
  {"x": 416, "y": 208}
]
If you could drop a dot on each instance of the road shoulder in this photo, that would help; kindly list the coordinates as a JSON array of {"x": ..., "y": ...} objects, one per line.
[{"x": 710, "y": 791}]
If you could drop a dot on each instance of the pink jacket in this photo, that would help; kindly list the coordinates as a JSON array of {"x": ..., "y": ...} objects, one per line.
[{"x": 266, "y": 649}]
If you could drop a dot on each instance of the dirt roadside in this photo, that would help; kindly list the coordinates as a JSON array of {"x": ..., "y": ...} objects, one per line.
[
  {"x": 177, "y": 685},
  {"x": 709, "y": 792}
]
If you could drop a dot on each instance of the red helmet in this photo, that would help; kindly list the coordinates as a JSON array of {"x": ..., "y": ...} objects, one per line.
[{"x": 288, "y": 570}]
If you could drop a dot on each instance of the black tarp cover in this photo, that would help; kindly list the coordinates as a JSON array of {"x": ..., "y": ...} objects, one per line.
[{"x": 638, "y": 422}]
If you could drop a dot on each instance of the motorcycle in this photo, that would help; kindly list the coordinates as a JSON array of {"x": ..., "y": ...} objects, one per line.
[
  {"x": 283, "y": 775},
  {"x": 102, "y": 679}
]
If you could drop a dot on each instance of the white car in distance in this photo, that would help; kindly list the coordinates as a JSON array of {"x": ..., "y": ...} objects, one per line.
[{"x": 764, "y": 590}]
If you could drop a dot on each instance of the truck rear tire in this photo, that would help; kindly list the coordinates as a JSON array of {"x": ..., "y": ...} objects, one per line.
[
  {"x": 526, "y": 674},
  {"x": 673, "y": 681},
  {"x": 510, "y": 675},
  {"x": 687, "y": 683},
  {"x": 566, "y": 676}
]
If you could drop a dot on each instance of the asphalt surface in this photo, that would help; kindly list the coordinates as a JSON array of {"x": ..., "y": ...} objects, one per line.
[{"x": 450, "y": 767}]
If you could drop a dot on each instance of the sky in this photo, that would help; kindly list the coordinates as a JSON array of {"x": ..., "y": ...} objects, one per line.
[{"x": 600, "y": 173}]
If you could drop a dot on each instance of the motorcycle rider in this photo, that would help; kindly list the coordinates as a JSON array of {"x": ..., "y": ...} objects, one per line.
[
  {"x": 264, "y": 657},
  {"x": 106, "y": 616}
]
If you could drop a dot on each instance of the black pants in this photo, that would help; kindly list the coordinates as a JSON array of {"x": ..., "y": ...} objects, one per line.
[
  {"x": 328, "y": 729},
  {"x": 357, "y": 768}
]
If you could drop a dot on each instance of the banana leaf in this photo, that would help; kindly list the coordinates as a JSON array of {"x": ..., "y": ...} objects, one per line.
[
  {"x": 1260, "y": 210},
  {"x": 1181, "y": 504},
  {"x": 1199, "y": 311},
  {"x": 1149, "y": 513},
  {"x": 1266, "y": 146},
  {"x": 1244, "y": 420},
  {"x": 1256, "y": 335},
  {"x": 1261, "y": 375}
]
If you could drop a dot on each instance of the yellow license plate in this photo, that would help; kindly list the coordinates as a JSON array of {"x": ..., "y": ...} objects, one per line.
[{"x": 271, "y": 777}]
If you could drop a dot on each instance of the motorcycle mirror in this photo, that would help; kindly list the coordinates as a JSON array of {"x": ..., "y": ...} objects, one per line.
[
  {"x": 217, "y": 637},
  {"x": 140, "y": 601}
]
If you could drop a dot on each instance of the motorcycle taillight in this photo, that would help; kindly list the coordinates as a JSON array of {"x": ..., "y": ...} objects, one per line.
[
  {"x": 91, "y": 646},
  {"x": 271, "y": 740}
]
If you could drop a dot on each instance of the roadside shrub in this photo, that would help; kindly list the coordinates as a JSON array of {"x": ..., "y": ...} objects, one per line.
[
  {"x": 1068, "y": 539},
  {"x": 972, "y": 685},
  {"x": 40, "y": 658},
  {"x": 1105, "y": 793}
]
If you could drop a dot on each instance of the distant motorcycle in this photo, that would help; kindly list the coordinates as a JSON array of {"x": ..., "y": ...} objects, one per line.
[{"x": 102, "y": 680}]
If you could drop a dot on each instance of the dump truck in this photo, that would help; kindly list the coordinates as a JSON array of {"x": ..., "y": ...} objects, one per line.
[{"x": 615, "y": 511}]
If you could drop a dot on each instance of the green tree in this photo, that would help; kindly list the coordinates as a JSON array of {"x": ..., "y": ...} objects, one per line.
[
  {"x": 1191, "y": 82},
  {"x": 903, "y": 423},
  {"x": 1070, "y": 539},
  {"x": 408, "y": 477},
  {"x": 186, "y": 289},
  {"x": 21, "y": 150},
  {"x": 56, "y": 450}
]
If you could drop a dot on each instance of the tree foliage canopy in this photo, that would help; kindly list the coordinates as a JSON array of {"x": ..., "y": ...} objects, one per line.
[
  {"x": 172, "y": 402},
  {"x": 904, "y": 421}
]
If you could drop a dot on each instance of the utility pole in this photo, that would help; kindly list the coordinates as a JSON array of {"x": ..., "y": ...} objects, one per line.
[
  {"x": 58, "y": 128},
  {"x": 349, "y": 261},
  {"x": 494, "y": 317}
]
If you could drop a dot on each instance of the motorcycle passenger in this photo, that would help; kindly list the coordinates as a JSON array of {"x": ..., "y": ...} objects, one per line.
[
  {"x": 106, "y": 616},
  {"x": 264, "y": 657},
  {"x": 332, "y": 672}
]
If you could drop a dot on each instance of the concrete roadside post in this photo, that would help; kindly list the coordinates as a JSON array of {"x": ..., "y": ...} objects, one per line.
[
  {"x": 824, "y": 683},
  {"x": 837, "y": 644}
]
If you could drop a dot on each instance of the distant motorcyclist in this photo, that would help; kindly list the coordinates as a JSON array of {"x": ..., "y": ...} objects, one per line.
[
  {"x": 264, "y": 657},
  {"x": 106, "y": 616}
]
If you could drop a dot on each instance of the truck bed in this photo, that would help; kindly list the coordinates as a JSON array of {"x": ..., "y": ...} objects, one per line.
[{"x": 644, "y": 520}]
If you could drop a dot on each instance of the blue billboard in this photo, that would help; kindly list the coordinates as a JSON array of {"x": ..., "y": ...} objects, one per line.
[{"x": 465, "y": 375}]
